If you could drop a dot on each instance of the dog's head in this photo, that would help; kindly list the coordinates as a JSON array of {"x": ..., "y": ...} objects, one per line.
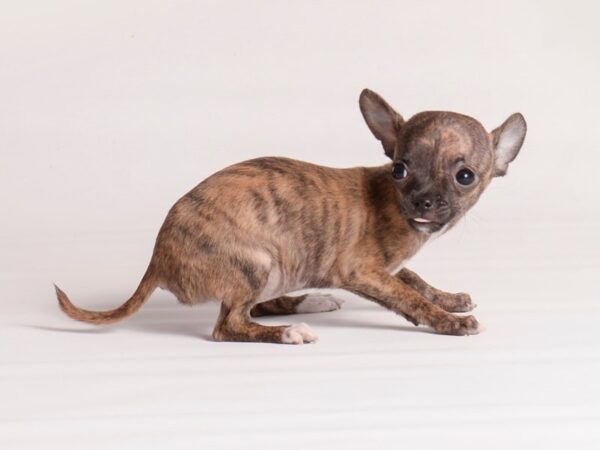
[{"x": 442, "y": 161}]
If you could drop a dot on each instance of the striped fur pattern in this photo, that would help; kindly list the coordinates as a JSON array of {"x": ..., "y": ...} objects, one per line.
[{"x": 255, "y": 231}]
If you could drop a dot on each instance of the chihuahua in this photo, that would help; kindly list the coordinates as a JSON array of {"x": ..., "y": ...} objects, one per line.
[{"x": 257, "y": 230}]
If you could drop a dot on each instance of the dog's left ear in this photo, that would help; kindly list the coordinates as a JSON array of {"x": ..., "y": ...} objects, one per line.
[
  {"x": 507, "y": 140},
  {"x": 382, "y": 120}
]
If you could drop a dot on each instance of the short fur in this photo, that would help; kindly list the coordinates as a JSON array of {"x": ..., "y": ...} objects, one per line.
[{"x": 254, "y": 231}]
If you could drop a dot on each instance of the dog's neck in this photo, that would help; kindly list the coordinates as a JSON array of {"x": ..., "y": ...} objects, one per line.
[{"x": 395, "y": 238}]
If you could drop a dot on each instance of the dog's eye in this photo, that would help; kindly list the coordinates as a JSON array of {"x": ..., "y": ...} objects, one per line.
[
  {"x": 399, "y": 171},
  {"x": 465, "y": 177}
]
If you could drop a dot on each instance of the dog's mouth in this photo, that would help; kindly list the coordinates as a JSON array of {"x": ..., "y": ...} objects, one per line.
[{"x": 425, "y": 225}]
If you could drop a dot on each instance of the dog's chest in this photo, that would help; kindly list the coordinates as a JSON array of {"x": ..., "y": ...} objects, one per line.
[
  {"x": 396, "y": 267},
  {"x": 398, "y": 255}
]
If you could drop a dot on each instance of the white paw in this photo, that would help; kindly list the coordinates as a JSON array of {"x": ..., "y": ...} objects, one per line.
[
  {"x": 315, "y": 303},
  {"x": 299, "y": 334}
]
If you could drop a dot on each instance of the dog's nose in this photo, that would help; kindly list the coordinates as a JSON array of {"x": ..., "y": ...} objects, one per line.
[
  {"x": 423, "y": 204},
  {"x": 426, "y": 203}
]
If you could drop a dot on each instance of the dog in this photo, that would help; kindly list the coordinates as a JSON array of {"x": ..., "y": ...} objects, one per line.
[{"x": 257, "y": 230}]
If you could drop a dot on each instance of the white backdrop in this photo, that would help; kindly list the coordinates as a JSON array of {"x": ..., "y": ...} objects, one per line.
[{"x": 110, "y": 111}]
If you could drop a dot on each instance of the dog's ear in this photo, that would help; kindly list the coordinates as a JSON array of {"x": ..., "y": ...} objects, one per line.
[
  {"x": 507, "y": 140},
  {"x": 381, "y": 118}
]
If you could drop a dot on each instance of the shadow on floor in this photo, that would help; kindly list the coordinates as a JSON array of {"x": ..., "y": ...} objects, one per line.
[{"x": 199, "y": 321}]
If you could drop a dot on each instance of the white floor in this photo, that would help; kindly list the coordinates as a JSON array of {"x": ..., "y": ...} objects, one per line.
[{"x": 532, "y": 380}]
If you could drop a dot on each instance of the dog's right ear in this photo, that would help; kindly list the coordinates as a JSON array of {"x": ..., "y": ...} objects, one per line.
[{"x": 383, "y": 121}]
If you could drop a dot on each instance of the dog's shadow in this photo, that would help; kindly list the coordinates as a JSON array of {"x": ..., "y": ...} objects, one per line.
[
  {"x": 198, "y": 322},
  {"x": 153, "y": 318}
]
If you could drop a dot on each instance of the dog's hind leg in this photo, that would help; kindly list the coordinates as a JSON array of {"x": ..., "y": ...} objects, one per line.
[
  {"x": 302, "y": 304},
  {"x": 234, "y": 324}
]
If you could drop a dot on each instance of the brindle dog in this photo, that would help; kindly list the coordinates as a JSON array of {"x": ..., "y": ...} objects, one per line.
[{"x": 259, "y": 229}]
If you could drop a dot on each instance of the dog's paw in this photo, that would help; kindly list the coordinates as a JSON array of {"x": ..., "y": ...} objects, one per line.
[
  {"x": 460, "y": 302},
  {"x": 299, "y": 334},
  {"x": 463, "y": 303},
  {"x": 458, "y": 326},
  {"x": 315, "y": 303}
]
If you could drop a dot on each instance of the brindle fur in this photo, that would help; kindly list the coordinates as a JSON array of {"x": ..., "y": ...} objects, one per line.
[{"x": 254, "y": 231}]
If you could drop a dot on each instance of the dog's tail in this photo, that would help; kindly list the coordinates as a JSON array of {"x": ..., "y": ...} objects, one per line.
[{"x": 139, "y": 297}]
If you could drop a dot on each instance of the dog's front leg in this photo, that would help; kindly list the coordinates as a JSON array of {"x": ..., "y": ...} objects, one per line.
[
  {"x": 396, "y": 295},
  {"x": 460, "y": 302}
]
